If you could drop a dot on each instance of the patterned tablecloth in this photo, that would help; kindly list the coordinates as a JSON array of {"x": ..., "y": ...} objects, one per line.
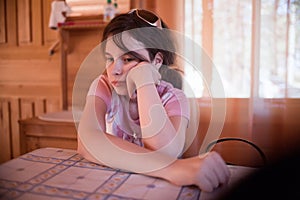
[
  {"x": 60, "y": 174},
  {"x": 52, "y": 173}
]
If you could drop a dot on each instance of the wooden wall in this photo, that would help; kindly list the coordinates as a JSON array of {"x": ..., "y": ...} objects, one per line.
[
  {"x": 25, "y": 22},
  {"x": 30, "y": 79},
  {"x": 29, "y": 76}
]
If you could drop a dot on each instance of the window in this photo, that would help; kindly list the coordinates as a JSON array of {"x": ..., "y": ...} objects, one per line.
[{"x": 254, "y": 46}]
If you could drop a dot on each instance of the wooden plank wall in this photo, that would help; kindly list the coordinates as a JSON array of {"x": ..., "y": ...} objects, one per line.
[
  {"x": 29, "y": 76},
  {"x": 30, "y": 79},
  {"x": 25, "y": 22},
  {"x": 11, "y": 110}
]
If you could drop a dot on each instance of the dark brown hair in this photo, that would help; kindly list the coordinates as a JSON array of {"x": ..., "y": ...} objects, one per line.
[{"x": 155, "y": 39}]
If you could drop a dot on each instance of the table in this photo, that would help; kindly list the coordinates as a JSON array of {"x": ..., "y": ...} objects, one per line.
[{"x": 55, "y": 173}]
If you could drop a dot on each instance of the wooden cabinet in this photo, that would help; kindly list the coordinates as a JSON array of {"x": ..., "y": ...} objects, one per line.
[{"x": 36, "y": 133}]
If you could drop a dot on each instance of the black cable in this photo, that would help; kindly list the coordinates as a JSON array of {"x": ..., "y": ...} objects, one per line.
[{"x": 241, "y": 140}]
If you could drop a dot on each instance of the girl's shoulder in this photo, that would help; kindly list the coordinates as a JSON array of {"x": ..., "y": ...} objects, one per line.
[
  {"x": 99, "y": 84},
  {"x": 100, "y": 87},
  {"x": 174, "y": 100}
]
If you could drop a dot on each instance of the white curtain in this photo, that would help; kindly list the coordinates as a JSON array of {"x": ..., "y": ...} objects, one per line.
[{"x": 255, "y": 44}]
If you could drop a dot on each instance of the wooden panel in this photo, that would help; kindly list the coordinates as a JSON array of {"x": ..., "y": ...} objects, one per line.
[
  {"x": 36, "y": 127},
  {"x": 2, "y": 22},
  {"x": 27, "y": 52},
  {"x": 30, "y": 72},
  {"x": 24, "y": 91},
  {"x": 15, "y": 135},
  {"x": 53, "y": 105},
  {"x": 12, "y": 109},
  {"x": 174, "y": 18},
  {"x": 26, "y": 108},
  {"x": 32, "y": 107},
  {"x": 11, "y": 19},
  {"x": 33, "y": 143},
  {"x": 37, "y": 18},
  {"x": 5, "y": 141},
  {"x": 24, "y": 21},
  {"x": 39, "y": 106},
  {"x": 50, "y": 36},
  {"x": 37, "y": 133}
]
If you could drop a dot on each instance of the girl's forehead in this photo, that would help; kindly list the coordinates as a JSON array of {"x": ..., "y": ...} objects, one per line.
[
  {"x": 130, "y": 43},
  {"x": 112, "y": 49}
]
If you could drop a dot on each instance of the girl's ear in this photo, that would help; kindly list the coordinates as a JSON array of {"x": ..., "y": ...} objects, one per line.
[{"x": 158, "y": 60}]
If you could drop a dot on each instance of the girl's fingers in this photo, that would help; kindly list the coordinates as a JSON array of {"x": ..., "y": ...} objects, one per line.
[
  {"x": 222, "y": 169},
  {"x": 212, "y": 173},
  {"x": 205, "y": 185},
  {"x": 214, "y": 170}
]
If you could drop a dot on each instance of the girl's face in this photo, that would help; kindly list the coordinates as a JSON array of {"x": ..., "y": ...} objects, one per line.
[{"x": 119, "y": 63}]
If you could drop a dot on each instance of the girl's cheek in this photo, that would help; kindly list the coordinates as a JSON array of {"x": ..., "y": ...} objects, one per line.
[
  {"x": 108, "y": 65},
  {"x": 130, "y": 66},
  {"x": 109, "y": 72}
]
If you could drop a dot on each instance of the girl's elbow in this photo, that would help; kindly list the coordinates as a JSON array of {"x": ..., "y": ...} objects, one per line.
[{"x": 173, "y": 149}]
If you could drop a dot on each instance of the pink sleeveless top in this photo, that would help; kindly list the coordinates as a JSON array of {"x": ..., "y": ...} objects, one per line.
[{"x": 119, "y": 110}]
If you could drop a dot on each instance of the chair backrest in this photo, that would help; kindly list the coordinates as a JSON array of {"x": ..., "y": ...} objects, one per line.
[
  {"x": 238, "y": 151},
  {"x": 192, "y": 141}
]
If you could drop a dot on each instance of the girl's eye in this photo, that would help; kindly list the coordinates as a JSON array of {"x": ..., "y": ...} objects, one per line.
[
  {"x": 109, "y": 59},
  {"x": 128, "y": 59}
]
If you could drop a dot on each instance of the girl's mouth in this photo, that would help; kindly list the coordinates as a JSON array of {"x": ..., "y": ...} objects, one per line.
[{"x": 118, "y": 83}]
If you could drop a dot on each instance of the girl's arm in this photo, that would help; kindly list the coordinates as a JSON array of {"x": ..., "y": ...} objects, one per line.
[
  {"x": 207, "y": 172},
  {"x": 159, "y": 131},
  {"x": 98, "y": 146}
]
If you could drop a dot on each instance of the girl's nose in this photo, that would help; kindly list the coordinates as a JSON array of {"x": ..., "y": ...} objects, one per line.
[{"x": 117, "y": 68}]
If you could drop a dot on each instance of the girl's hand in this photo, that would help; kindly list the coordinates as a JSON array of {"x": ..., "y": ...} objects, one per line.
[
  {"x": 208, "y": 171},
  {"x": 213, "y": 172},
  {"x": 143, "y": 74}
]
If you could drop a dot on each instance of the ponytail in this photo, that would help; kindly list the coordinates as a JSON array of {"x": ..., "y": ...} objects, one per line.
[{"x": 172, "y": 75}]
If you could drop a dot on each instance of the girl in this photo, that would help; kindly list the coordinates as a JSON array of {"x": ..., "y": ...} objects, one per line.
[{"x": 136, "y": 115}]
